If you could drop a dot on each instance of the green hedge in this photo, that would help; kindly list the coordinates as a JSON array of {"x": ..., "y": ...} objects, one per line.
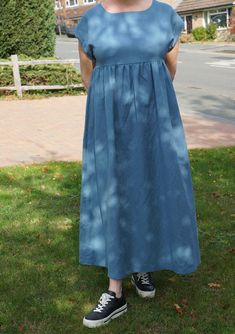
[
  {"x": 27, "y": 27},
  {"x": 203, "y": 34}
]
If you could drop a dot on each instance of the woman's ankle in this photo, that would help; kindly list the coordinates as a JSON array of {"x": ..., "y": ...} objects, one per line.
[{"x": 116, "y": 286}]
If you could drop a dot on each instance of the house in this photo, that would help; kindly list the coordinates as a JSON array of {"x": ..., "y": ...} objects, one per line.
[
  {"x": 68, "y": 12},
  {"x": 173, "y": 3},
  {"x": 196, "y": 13}
]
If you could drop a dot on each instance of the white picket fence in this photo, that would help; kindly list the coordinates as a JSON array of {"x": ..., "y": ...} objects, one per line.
[{"x": 16, "y": 63}]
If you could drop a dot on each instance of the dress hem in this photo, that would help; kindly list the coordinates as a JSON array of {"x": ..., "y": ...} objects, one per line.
[{"x": 188, "y": 271}]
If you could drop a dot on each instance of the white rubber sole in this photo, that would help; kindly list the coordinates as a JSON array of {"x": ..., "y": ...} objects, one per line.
[
  {"x": 143, "y": 294},
  {"x": 105, "y": 321}
]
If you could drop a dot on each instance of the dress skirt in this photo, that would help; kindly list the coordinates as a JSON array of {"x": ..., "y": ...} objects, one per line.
[{"x": 137, "y": 205}]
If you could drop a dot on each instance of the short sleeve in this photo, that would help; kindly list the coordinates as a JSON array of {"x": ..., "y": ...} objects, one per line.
[
  {"x": 177, "y": 25},
  {"x": 81, "y": 32}
]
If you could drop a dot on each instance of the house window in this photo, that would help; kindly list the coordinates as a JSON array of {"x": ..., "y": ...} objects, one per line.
[
  {"x": 220, "y": 17},
  {"x": 183, "y": 17},
  {"x": 86, "y": 2},
  {"x": 71, "y": 3},
  {"x": 58, "y": 5}
]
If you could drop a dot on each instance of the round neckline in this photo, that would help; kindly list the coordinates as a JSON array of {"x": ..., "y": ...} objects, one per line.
[{"x": 130, "y": 11}]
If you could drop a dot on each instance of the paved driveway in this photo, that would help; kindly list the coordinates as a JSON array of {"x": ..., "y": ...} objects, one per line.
[{"x": 52, "y": 129}]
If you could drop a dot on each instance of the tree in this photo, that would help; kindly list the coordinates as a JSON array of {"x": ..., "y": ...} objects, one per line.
[
  {"x": 232, "y": 21},
  {"x": 27, "y": 27}
]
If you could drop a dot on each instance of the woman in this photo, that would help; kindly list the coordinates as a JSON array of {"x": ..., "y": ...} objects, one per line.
[{"x": 137, "y": 210}]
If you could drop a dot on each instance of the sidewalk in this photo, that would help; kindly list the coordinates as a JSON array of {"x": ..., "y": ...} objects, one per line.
[{"x": 52, "y": 129}]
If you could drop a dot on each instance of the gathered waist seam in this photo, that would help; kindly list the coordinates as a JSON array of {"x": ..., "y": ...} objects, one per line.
[{"x": 131, "y": 62}]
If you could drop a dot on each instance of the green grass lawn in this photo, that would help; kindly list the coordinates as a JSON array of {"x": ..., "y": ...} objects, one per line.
[{"x": 44, "y": 290}]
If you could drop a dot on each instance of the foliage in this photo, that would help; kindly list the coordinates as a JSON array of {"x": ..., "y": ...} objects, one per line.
[
  {"x": 41, "y": 74},
  {"x": 211, "y": 30},
  {"x": 27, "y": 27},
  {"x": 203, "y": 34},
  {"x": 199, "y": 33}
]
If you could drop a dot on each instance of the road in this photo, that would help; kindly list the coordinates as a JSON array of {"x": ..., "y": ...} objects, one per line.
[{"x": 205, "y": 78}]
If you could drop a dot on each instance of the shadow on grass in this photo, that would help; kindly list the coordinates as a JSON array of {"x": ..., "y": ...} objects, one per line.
[{"x": 44, "y": 289}]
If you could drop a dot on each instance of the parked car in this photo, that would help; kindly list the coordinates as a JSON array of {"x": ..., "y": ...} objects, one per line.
[
  {"x": 70, "y": 31},
  {"x": 62, "y": 27}
]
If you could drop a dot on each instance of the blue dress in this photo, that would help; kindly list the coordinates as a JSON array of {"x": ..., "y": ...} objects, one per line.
[{"x": 137, "y": 207}]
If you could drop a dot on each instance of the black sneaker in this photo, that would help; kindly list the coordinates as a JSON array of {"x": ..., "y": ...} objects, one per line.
[
  {"x": 144, "y": 284},
  {"x": 107, "y": 308}
]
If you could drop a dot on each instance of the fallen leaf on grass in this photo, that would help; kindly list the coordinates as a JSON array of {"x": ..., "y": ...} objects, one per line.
[
  {"x": 178, "y": 308},
  {"x": 232, "y": 250},
  {"x": 214, "y": 285},
  {"x": 21, "y": 328},
  {"x": 72, "y": 301},
  {"x": 45, "y": 169},
  {"x": 216, "y": 194}
]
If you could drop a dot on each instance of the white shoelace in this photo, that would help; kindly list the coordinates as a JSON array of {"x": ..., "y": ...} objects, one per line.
[
  {"x": 144, "y": 278},
  {"x": 103, "y": 301}
]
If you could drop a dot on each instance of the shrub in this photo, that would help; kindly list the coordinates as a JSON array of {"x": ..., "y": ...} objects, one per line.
[
  {"x": 211, "y": 30},
  {"x": 199, "y": 33},
  {"x": 40, "y": 74}
]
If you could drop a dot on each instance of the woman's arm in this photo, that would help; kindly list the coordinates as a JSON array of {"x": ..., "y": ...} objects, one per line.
[
  {"x": 171, "y": 59},
  {"x": 86, "y": 67}
]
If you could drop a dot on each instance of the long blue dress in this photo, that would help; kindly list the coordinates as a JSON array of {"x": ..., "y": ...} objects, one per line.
[{"x": 137, "y": 208}]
